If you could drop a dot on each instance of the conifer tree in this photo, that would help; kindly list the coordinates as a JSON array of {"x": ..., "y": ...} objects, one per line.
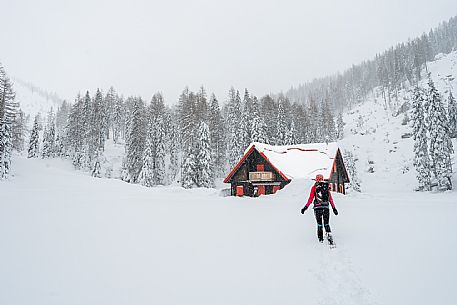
[
  {"x": 258, "y": 128},
  {"x": 421, "y": 154},
  {"x": 75, "y": 134},
  {"x": 245, "y": 134},
  {"x": 216, "y": 128},
  {"x": 452, "y": 115},
  {"x": 109, "y": 107},
  {"x": 159, "y": 151},
  {"x": 291, "y": 135},
  {"x": 234, "y": 145},
  {"x": 49, "y": 137},
  {"x": 313, "y": 133},
  {"x": 133, "y": 161},
  {"x": 98, "y": 123},
  {"x": 118, "y": 120},
  {"x": 340, "y": 126},
  {"x": 146, "y": 177},
  {"x": 349, "y": 161},
  {"x": 188, "y": 172},
  {"x": 8, "y": 111},
  {"x": 440, "y": 142},
  {"x": 96, "y": 168},
  {"x": 19, "y": 130},
  {"x": 281, "y": 127},
  {"x": 174, "y": 165},
  {"x": 204, "y": 177},
  {"x": 33, "y": 151}
]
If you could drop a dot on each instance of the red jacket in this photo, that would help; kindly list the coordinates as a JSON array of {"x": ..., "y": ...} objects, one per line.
[{"x": 313, "y": 193}]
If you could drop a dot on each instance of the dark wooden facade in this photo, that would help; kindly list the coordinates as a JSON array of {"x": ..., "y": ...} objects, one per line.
[
  {"x": 338, "y": 175},
  {"x": 255, "y": 162}
]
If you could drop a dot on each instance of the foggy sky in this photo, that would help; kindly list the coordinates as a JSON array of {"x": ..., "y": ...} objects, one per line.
[{"x": 141, "y": 47}]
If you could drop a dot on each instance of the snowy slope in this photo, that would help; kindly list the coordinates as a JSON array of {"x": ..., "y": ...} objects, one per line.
[
  {"x": 373, "y": 132},
  {"x": 33, "y": 100}
]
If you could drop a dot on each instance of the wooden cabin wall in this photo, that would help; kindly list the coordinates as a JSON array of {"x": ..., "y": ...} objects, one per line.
[{"x": 250, "y": 165}]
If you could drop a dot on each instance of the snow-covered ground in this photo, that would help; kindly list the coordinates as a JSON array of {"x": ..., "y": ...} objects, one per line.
[{"x": 68, "y": 238}]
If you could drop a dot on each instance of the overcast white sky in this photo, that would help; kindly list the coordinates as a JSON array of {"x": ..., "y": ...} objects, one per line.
[{"x": 141, "y": 47}]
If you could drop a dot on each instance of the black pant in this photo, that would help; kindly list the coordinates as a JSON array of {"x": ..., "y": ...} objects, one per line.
[{"x": 322, "y": 214}]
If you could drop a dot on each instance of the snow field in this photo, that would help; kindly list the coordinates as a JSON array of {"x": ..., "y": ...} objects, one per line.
[{"x": 68, "y": 238}]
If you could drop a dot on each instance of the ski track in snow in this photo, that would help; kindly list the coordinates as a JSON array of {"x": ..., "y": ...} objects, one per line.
[{"x": 341, "y": 283}]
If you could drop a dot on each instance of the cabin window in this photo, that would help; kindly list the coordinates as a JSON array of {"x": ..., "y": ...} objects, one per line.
[{"x": 260, "y": 167}]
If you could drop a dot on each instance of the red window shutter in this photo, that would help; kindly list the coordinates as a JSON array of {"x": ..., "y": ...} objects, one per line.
[
  {"x": 261, "y": 190},
  {"x": 276, "y": 188},
  {"x": 260, "y": 167},
  {"x": 240, "y": 190}
]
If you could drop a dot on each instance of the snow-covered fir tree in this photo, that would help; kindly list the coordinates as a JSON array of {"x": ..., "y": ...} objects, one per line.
[
  {"x": 135, "y": 141},
  {"x": 98, "y": 123},
  {"x": 291, "y": 135},
  {"x": 118, "y": 119},
  {"x": 188, "y": 171},
  {"x": 245, "y": 135},
  {"x": 146, "y": 177},
  {"x": 217, "y": 136},
  {"x": 75, "y": 133},
  {"x": 109, "y": 105},
  {"x": 440, "y": 141},
  {"x": 327, "y": 125},
  {"x": 159, "y": 150},
  {"x": 96, "y": 168},
  {"x": 339, "y": 126},
  {"x": 313, "y": 133},
  {"x": 88, "y": 138},
  {"x": 156, "y": 121},
  {"x": 34, "y": 143},
  {"x": 8, "y": 111},
  {"x": 187, "y": 109},
  {"x": 204, "y": 177},
  {"x": 233, "y": 122},
  {"x": 258, "y": 128},
  {"x": 281, "y": 126},
  {"x": 19, "y": 130},
  {"x": 174, "y": 148},
  {"x": 452, "y": 115},
  {"x": 422, "y": 162},
  {"x": 269, "y": 114},
  {"x": 49, "y": 137},
  {"x": 349, "y": 161}
]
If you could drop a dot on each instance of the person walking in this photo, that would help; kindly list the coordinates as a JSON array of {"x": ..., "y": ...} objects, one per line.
[{"x": 321, "y": 197}]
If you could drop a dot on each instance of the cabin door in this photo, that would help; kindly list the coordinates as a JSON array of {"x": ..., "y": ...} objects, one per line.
[
  {"x": 261, "y": 190},
  {"x": 240, "y": 190}
]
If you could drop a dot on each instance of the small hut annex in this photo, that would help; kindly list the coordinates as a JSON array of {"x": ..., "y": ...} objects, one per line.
[{"x": 265, "y": 169}]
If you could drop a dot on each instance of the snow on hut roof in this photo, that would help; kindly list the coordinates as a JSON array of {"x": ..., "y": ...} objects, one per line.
[{"x": 301, "y": 160}]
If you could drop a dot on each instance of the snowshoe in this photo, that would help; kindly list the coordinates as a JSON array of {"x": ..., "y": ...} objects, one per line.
[{"x": 331, "y": 243}]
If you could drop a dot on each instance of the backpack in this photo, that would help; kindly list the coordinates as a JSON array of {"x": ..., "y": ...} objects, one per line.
[{"x": 321, "y": 196}]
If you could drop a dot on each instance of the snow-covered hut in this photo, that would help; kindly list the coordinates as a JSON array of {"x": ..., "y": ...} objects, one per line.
[{"x": 265, "y": 169}]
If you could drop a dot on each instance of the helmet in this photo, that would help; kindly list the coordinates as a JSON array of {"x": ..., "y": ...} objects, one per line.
[{"x": 319, "y": 177}]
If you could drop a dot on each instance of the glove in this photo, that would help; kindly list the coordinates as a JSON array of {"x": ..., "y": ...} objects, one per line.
[
  {"x": 304, "y": 209},
  {"x": 335, "y": 211}
]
